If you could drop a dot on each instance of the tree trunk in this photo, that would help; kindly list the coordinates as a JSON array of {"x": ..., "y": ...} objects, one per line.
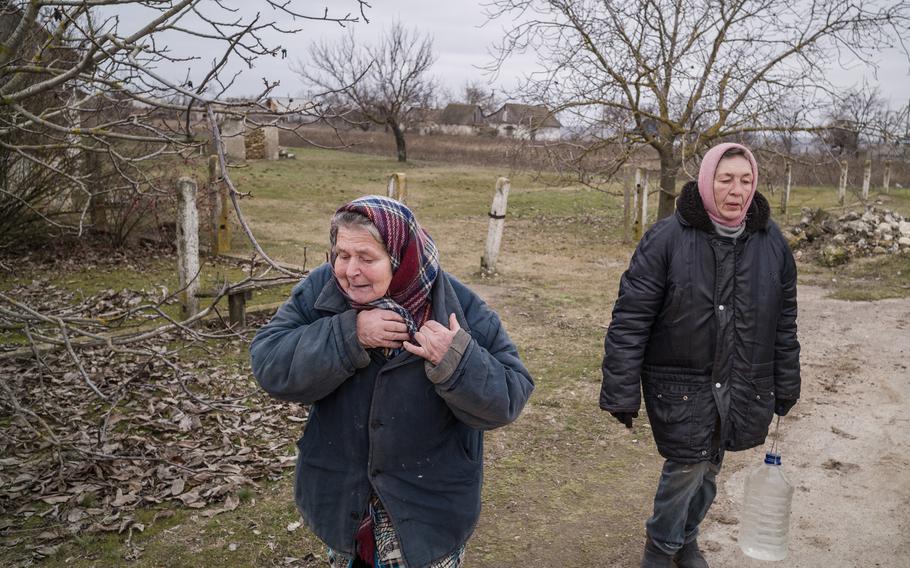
[
  {"x": 669, "y": 167},
  {"x": 399, "y": 141}
]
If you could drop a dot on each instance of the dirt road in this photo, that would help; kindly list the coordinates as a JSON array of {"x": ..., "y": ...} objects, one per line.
[{"x": 846, "y": 445}]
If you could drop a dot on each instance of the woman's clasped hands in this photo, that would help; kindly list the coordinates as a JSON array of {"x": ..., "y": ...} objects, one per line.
[{"x": 387, "y": 329}]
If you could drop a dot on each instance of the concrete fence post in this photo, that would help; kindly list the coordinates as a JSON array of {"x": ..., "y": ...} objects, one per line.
[
  {"x": 886, "y": 177},
  {"x": 398, "y": 186},
  {"x": 187, "y": 247},
  {"x": 842, "y": 187},
  {"x": 788, "y": 182},
  {"x": 867, "y": 178},
  {"x": 497, "y": 222}
]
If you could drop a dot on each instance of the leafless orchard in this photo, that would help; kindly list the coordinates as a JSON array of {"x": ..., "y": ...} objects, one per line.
[{"x": 91, "y": 132}]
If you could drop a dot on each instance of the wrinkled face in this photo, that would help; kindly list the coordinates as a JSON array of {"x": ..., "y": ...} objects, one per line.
[
  {"x": 362, "y": 266},
  {"x": 732, "y": 186}
]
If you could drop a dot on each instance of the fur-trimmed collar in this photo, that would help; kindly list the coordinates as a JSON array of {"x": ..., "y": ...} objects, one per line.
[{"x": 692, "y": 212}]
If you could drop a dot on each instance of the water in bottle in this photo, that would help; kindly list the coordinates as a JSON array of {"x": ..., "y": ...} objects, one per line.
[{"x": 765, "y": 524}]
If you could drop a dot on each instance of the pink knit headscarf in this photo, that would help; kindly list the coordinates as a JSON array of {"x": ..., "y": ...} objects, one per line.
[{"x": 706, "y": 183}]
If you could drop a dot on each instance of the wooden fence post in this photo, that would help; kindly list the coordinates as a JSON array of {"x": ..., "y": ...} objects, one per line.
[
  {"x": 497, "y": 222},
  {"x": 237, "y": 308},
  {"x": 886, "y": 177},
  {"x": 221, "y": 226},
  {"x": 785, "y": 194},
  {"x": 645, "y": 188},
  {"x": 98, "y": 207},
  {"x": 398, "y": 186},
  {"x": 187, "y": 247},
  {"x": 842, "y": 188},
  {"x": 867, "y": 178},
  {"x": 626, "y": 213},
  {"x": 641, "y": 203}
]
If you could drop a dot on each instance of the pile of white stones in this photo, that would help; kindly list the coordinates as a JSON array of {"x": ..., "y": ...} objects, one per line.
[{"x": 876, "y": 231}]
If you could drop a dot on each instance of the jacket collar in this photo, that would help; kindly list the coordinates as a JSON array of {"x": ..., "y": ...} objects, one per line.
[
  {"x": 331, "y": 299},
  {"x": 445, "y": 302},
  {"x": 443, "y": 298},
  {"x": 691, "y": 211}
]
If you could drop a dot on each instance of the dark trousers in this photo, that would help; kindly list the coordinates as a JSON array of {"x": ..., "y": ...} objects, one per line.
[{"x": 684, "y": 495}]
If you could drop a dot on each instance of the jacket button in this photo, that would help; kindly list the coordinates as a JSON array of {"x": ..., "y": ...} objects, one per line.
[
  {"x": 660, "y": 396},
  {"x": 376, "y": 472},
  {"x": 685, "y": 397},
  {"x": 704, "y": 452},
  {"x": 717, "y": 385},
  {"x": 375, "y": 424},
  {"x": 758, "y": 396},
  {"x": 720, "y": 307}
]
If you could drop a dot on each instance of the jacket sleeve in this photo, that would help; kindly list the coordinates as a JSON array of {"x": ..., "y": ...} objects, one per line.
[
  {"x": 301, "y": 357},
  {"x": 641, "y": 295},
  {"x": 786, "y": 345},
  {"x": 490, "y": 385}
]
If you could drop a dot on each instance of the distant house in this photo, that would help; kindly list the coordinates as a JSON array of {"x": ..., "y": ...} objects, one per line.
[
  {"x": 461, "y": 119},
  {"x": 424, "y": 120},
  {"x": 291, "y": 109},
  {"x": 532, "y": 122}
]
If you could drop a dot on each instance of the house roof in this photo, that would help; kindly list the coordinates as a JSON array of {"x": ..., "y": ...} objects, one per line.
[
  {"x": 288, "y": 104},
  {"x": 535, "y": 116},
  {"x": 424, "y": 115},
  {"x": 459, "y": 113}
]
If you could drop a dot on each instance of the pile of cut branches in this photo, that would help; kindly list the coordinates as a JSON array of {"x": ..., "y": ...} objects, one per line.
[{"x": 182, "y": 428}]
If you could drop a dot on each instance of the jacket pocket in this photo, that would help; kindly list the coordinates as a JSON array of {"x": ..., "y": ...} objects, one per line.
[
  {"x": 751, "y": 409},
  {"x": 472, "y": 445},
  {"x": 672, "y": 413},
  {"x": 761, "y": 410}
]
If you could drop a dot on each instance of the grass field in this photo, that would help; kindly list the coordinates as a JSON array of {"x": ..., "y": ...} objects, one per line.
[{"x": 565, "y": 485}]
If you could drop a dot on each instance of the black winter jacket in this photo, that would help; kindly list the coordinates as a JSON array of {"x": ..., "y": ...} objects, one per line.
[{"x": 707, "y": 326}]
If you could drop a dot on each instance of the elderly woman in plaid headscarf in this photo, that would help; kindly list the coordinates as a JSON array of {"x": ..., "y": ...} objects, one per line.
[{"x": 405, "y": 368}]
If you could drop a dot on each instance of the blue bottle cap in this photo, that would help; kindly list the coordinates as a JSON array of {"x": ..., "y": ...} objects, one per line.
[{"x": 772, "y": 458}]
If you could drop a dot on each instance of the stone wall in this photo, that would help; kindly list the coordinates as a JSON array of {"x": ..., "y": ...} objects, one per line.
[{"x": 262, "y": 143}]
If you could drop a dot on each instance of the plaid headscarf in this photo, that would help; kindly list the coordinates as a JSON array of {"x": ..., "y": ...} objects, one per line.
[{"x": 415, "y": 259}]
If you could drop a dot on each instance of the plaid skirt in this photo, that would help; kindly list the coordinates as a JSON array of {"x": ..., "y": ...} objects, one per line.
[{"x": 388, "y": 549}]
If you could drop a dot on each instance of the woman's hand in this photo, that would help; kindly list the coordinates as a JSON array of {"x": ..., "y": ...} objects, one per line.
[
  {"x": 434, "y": 340},
  {"x": 381, "y": 328}
]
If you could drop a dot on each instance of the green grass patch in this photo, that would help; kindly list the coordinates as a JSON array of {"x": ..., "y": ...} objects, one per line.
[{"x": 874, "y": 278}]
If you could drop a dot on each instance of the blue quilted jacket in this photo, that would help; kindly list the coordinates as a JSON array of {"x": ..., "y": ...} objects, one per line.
[{"x": 381, "y": 425}]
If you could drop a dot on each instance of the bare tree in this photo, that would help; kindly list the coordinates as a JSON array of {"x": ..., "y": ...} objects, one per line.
[
  {"x": 861, "y": 120},
  {"x": 684, "y": 73},
  {"x": 84, "y": 94},
  {"x": 482, "y": 95},
  {"x": 92, "y": 123},
  {"x": 381, "y": 82}
]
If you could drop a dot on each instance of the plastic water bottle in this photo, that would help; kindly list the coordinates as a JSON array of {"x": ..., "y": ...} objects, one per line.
[{"x": 765, "y": 524}]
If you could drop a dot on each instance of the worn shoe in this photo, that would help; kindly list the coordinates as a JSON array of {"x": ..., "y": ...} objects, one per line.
[
  {"x": 689, "y": 556},
  {"x": 655, "y": 558}
]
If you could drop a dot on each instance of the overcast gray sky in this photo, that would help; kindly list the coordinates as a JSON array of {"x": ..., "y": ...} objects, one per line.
[{"x": 462, "y": 41}]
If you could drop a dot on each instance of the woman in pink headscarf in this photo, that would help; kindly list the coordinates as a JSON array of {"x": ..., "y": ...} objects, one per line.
[{"x": 705, "y": 327}]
